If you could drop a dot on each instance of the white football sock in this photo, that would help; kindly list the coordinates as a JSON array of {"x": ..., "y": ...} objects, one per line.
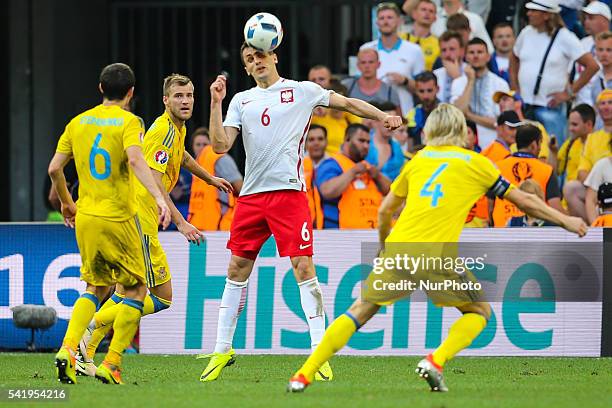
[
  {"x": 232, "y": 303},
  {"x": 312, "y": 304}
]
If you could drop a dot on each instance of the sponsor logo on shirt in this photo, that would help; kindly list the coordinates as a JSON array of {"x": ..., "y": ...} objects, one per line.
[
  {"x": 161, "y": 157},
  {"x": 286, "y": 95},
  {"x": 245, "y": 102}
]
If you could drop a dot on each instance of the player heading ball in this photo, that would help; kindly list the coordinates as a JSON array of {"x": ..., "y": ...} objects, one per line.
[{"x": 273, "y": 118}]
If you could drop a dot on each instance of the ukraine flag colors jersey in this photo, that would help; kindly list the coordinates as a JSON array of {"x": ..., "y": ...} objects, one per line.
[
  {"x": 163, "y": 149},
  {"x": 441, "y": 184},
  {"x": 97, "y": 139}
]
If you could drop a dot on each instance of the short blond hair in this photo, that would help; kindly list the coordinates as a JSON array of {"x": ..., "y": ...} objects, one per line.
[
  {"x": 175, "y": 79},
  {"x": 606, "y": 35},
  {"x": 446, "y": 126},
  {"x": 368, "y": 51}
]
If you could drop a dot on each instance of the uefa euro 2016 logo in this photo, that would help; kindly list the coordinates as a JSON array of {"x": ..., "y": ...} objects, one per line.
[{"x": 161, "y": 157}]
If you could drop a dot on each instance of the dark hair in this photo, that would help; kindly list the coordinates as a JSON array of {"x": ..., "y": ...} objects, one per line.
[
  {"x": 449, "y": 35},
  {"x": 320, "y": 66},
  {"x": 458, "y": 21},
  {"x": 315, "y": 127},
  {"x": 426, "y": 76},
  {"x": 354, "y": 128},
  {"x": 472, "y": 125},
  {"x": 202, "y": 130},
  {"x": 478, "y": 41},
  {"x": 116, "y": 80},
  {"x": 526, "y": 135},
  {"x": 384, "y": 105},
  {"x": 336, "y": 86},
  {"x": 503, "y": 24},
  {"x": 244, "y": 46},
  {"x": 586, "y": 112}
]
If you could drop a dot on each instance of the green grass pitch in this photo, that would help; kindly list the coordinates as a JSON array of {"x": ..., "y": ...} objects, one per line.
[{"x": 259, "y": 381}]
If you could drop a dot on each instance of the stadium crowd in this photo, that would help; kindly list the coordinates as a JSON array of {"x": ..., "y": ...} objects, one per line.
[{"x": 538, "y": 103}]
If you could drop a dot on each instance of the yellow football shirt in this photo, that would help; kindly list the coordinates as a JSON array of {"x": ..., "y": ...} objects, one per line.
[
  {"x": 429, "y": 45},
  {"x": 163, "y": 147},
  {"x": 567, "y": 162},
  {"x": 97, "y": 140},
  {"x": 441, "y": 184},
  {"x": 597, "y": 147}
]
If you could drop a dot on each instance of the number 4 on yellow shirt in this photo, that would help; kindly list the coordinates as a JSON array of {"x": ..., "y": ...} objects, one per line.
[{"x": 436, "y": 193}]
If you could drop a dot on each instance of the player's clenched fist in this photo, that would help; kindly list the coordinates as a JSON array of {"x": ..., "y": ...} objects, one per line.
[
  {"x": 576, "y": 225},
  {"x": 218, "y": 89},
  {"x": 392, "y": 122}
]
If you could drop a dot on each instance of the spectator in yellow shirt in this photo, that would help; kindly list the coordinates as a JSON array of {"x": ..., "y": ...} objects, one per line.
[
  {"x": 580, "y": 124},
  {"x": 597, "y": 146},
  {"x": 334, "y": 121},
  {"x": 424, "y": 15}
]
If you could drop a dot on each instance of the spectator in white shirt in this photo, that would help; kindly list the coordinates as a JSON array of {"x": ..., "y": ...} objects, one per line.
[
  {"x": 603, "y": 78},
  {"x": 601, "y": 173},
  {"x": 545, "y": 95},
  {"x": 400, "y": 61},
  {"x": 503, "y": 40},
  {"x": 477, "y": 25},
  {"x": 480, "y": 7},
  {"x": 473, "y": 91},
  {"x": 451, "y": 52},
  {"x": 460, "y": 23},
  {"x": 597, "y": 18}
]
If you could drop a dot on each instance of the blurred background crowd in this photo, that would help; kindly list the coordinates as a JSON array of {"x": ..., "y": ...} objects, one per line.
[{"x": 533, "y": 78}]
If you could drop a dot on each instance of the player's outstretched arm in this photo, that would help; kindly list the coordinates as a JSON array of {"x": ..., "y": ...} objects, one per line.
[
  {"x": 189, "y": 231},
  {"x": 364, "y": 110},
  {"x": 534, "y": 206},
  {"x": 143, "y": 174},
  {"x": 221, "y": 138},
  {"x": 391, "y": 203},
  {"x": 194, "y": 168},
  {"x": 56, "y": 172}
]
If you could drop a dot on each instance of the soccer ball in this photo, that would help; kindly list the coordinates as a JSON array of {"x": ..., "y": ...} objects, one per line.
[{"x": 263, "y": 32}]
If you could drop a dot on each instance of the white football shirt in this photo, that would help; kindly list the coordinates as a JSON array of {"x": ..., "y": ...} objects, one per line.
[
  {"x": 274, "y": 122},
  {"x": 404, "y": 58},
  {"x": 481, "y": 102}
]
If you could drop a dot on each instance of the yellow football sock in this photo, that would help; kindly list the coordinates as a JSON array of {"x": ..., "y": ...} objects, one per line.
[
  {"x": 108, "y": 314},
  {"x": 460, "y": 335},
  {"x": 335, "y": 338},
  {"x": 154, "y": 304},
  {"x": 125, "y": 326},
  {"x": 82, "y": 312}
]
